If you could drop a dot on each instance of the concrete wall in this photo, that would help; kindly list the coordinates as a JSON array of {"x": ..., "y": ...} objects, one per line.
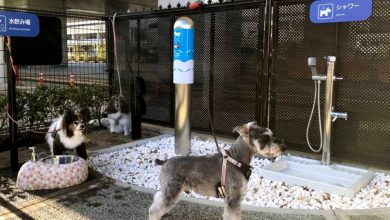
[{"x": 52, "y": 5}]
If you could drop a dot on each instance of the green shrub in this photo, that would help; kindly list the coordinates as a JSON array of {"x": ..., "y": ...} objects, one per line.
[{"x": 36, "y": 109}]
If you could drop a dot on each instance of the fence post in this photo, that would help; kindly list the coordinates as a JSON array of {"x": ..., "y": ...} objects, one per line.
[
  {"x": 109, "y": 59},
  {"x": 264, "y": 87},
  {"x": 13, "y": 145},
  {"x": 136, "y": 119}
]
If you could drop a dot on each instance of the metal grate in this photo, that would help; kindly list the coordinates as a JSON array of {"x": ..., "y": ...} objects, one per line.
[
  {"x": 364, "y": 54},
  {"x": 155, "y": 67},
  {"x": 219, "y": 69},
  {"x": 296, "y": 40},
  {"x": 202, "y": 60},
  {"x": 235, "y": 73}
]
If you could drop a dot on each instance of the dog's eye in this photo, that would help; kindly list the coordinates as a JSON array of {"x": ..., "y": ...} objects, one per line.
[{"x": 75, "y": 122}]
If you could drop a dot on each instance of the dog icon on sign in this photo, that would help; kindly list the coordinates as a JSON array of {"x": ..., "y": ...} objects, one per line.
[{"x": 325, "y": 11}]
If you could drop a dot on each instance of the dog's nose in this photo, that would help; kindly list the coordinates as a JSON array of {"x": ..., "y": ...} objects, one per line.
[{"x": 82, "y": 126}]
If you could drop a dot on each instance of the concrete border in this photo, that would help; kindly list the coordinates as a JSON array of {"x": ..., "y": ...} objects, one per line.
[{"x": 327, "y": 214}]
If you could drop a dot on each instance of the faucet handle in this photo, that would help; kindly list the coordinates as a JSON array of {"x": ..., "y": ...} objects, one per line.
[
  {"x": 33, "y": 154},
  {"x": 33, "y": 149}
]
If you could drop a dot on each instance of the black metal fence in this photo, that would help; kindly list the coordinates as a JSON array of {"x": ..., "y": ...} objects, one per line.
[
  {"x": 226, "y": 77},
  {"x": 251, "y": 64},
  {"x": 41, "y": 91}
]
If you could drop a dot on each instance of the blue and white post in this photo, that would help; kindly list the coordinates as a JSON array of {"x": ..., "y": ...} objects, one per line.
[{"x": 183, "y": 77}]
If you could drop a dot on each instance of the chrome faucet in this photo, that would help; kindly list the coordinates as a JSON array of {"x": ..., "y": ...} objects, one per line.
[
  {"x": 336, "y": 115},
  {"x": 329, "y": 115},
  {"x": 34, "y": 155}
]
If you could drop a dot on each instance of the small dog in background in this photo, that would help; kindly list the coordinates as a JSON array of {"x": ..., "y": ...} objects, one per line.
[
  {"x": 202, "y": 174},
  {"x": 68, "y": 132},
  {"x": 119, "y": 116}
]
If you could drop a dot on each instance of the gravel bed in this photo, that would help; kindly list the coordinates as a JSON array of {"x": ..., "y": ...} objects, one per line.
[{"x": 136, "y": 166}]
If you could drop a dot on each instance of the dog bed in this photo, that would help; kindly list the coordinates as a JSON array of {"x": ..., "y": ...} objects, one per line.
[{"x": 52, "y": 173}]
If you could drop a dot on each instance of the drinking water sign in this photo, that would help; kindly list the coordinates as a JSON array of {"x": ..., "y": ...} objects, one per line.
[
  {"x": 17, "y": 24},
  {"x": 330, "y": 11}
]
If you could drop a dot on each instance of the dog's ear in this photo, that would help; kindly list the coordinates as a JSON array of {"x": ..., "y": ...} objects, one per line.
[
  {"x": 111, "y": 106},
  {"x": 125, "y": 106},
  {"x": 268, "y": 132},
  {"x": 67, "y": 119},
  {"x": 85, "y": 114},
  {"x": 243, "y": 130}
]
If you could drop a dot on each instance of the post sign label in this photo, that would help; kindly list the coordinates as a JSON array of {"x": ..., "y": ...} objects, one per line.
[
  {"x": 330, "y": 11},
  {"x": 183, "y": 56},
  {"x": 17, "y": 24}
]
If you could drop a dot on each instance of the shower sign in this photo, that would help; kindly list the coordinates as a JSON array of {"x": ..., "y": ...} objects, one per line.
[
  {"x": 330, "y": 11},
  {"x": 17, "y": 24}
]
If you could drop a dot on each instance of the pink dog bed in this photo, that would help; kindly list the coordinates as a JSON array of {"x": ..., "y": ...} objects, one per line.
[{"x": 42, "y": 175}]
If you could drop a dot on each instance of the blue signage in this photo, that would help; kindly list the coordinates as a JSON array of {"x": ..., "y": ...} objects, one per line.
[
  {"x": 17, "y": 24},
  {"x": 329, "y": 11},
  {"x": 183, "y": 44}
]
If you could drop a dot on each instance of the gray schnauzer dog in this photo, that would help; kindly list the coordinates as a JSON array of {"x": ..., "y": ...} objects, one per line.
[{"x": 202, "y": 174}]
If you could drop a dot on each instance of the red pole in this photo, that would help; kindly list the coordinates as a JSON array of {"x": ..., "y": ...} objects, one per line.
[{"x": 41, "y": 80}]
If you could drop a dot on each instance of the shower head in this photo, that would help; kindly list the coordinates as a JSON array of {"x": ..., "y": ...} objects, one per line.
[{"x": 312, "y": 63}]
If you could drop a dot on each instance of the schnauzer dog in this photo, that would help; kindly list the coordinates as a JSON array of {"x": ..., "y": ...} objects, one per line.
[{"x": 202, "y": 174}]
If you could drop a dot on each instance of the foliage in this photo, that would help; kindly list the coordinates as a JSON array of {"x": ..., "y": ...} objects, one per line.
[{"x": 36, "y": 109}]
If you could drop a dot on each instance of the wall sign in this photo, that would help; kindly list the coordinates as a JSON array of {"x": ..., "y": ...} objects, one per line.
[
  {"x": 17, "y": 24},
  {"x": 330, "y": 11}
]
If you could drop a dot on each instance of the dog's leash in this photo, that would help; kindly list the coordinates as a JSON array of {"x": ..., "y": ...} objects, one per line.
[
  {"x": 32, "y": 131},
  {"x": 245, "y": 169}
]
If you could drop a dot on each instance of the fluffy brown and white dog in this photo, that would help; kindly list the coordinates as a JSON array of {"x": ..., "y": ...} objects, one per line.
[
  {"x": 118, "y": 114},
  {"x": 68, "y": 132},
  {"x": 202, "y": 174}
]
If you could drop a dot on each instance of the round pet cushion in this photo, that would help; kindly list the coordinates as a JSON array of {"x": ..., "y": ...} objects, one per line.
[{"x": 39, "y": 175}]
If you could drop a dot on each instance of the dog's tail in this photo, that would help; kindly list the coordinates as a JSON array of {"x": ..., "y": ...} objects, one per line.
[{"x": 160, "y": 162}]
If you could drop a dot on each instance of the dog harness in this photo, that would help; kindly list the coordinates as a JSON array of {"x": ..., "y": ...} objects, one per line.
[{"x": 245, "y": 169}]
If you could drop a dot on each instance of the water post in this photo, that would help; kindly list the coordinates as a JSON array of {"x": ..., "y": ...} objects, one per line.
[{"x": 183, "y": 77}]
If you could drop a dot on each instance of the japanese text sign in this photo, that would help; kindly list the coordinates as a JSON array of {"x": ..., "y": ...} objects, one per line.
[
  {"x": 17, "y": 24},
  {"x": 329, "y": 11}
]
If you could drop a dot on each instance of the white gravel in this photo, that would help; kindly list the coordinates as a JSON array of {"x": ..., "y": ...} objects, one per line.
[{"x": 136, "y": 166}]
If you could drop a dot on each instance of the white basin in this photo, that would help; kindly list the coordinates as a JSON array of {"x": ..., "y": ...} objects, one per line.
[{"x": 338, "y": 179}]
